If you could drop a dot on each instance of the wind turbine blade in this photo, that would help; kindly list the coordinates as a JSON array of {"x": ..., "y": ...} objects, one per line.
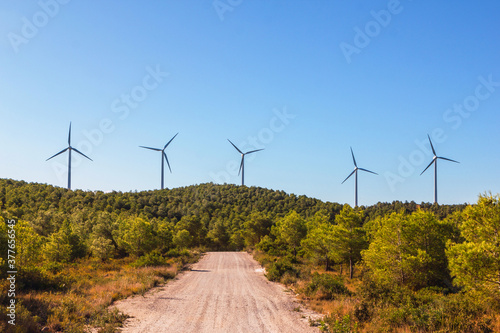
[
  {"x": 253, "y": 151},
  {"x": 433, "y": 151},
  {"x": 155, "y": 149},
  {"x": 235, "y": 146},
  {"x": 427, "y": 167},
  {"x": 69, "y": 134},
  {"x": 353, "y": 159},
  {"x": 170, "y": 141},
  {"x": 241, "y": 164},
  {"x": 59, "y": 153},
  {"x": 79, "y": 152},
  {"x": 368, "y": 171},
  {"x": 447, "y": 159},
  {"x": 349, "y": 176},
  {"x": 166, "y": 158}
]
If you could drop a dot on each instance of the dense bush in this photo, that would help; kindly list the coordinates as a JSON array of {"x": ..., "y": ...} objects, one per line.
[
  {"x": 345, "y": 324},
  {"x": 36, "y": 278},
  {"x": 325, "y": 286},
  {"x": 176, "y": 253},
  {"x": 153, "y": 258},
  {"x": 277, "y": 269}
]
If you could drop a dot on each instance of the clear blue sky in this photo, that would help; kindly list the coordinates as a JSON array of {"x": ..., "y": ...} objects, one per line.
[{"x": 303, "y": 79}]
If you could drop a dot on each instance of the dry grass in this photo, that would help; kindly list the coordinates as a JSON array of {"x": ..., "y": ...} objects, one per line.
[{"x": 88, "y": 290}]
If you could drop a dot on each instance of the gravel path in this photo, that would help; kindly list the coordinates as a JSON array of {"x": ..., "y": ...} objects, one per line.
[{"x": 224, "y": 292}]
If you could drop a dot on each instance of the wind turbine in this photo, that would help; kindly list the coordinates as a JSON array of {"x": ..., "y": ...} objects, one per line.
[
  {"x": 163, "y": 155},
  {"x": 355, "y": 172},
  {"x": 242, "y": 164},
  {"x": 69, "y": 149},
  {"x": 434, "y": 160}
]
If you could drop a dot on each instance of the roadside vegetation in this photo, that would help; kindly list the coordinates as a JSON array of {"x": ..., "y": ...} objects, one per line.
[
  {"x": 391, "y": 267},
  {"x": 76, "y": 297},
  {"x": 397, "y": 272}
]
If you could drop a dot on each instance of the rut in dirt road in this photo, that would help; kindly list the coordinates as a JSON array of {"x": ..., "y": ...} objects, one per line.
[{"x": 224, "y": 292}]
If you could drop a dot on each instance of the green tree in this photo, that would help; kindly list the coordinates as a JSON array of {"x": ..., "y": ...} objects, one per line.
[
  {"x": 58, "y": 247},
  {"x": 408, "y": 249},
  {"x": 164, "y": 233},
  {"x": 218, "y": 235},
  {"x": 290, "y": 230},
  {"x": 475, "y": 263},
  {"x": 105, "y": 225},
  {"x": 193, "y": 224},
  {"x": 102, "y": 248},
  {"x": 136, "y": 235},
  {"x": 236, "y": 240},
  {"x": 349, "y": 236},
  {"x": 255, "y": 227},
  {"x": 385, "y": 256},
  {"x": 318, "y": 243},
  {"x": 183, "y": 239}
]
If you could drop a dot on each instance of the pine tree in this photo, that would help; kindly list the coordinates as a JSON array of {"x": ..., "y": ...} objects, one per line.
[{"x": 475, "y": 263}]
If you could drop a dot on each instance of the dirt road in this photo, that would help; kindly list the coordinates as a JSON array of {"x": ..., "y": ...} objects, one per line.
[{"x": 224, "y": 292}]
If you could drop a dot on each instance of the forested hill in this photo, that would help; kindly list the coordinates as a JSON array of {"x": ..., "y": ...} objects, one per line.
[
  {"x": 208, "y": 201},
  {"x": 41, "y": 202},
  {"x": 206, "y": 207}
]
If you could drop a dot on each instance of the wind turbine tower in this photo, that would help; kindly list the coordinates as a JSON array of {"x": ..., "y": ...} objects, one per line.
[
  {"x": 355, "y": 172},
  {"x": 434, "y": 160},
  {"x": 69, "y": 149},
  {"x": 242, "y": 164},
  {"x": 163, "y": 158}
]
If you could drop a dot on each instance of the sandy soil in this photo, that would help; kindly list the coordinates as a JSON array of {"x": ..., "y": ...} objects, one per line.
[{"x": 224, "y": 292}]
